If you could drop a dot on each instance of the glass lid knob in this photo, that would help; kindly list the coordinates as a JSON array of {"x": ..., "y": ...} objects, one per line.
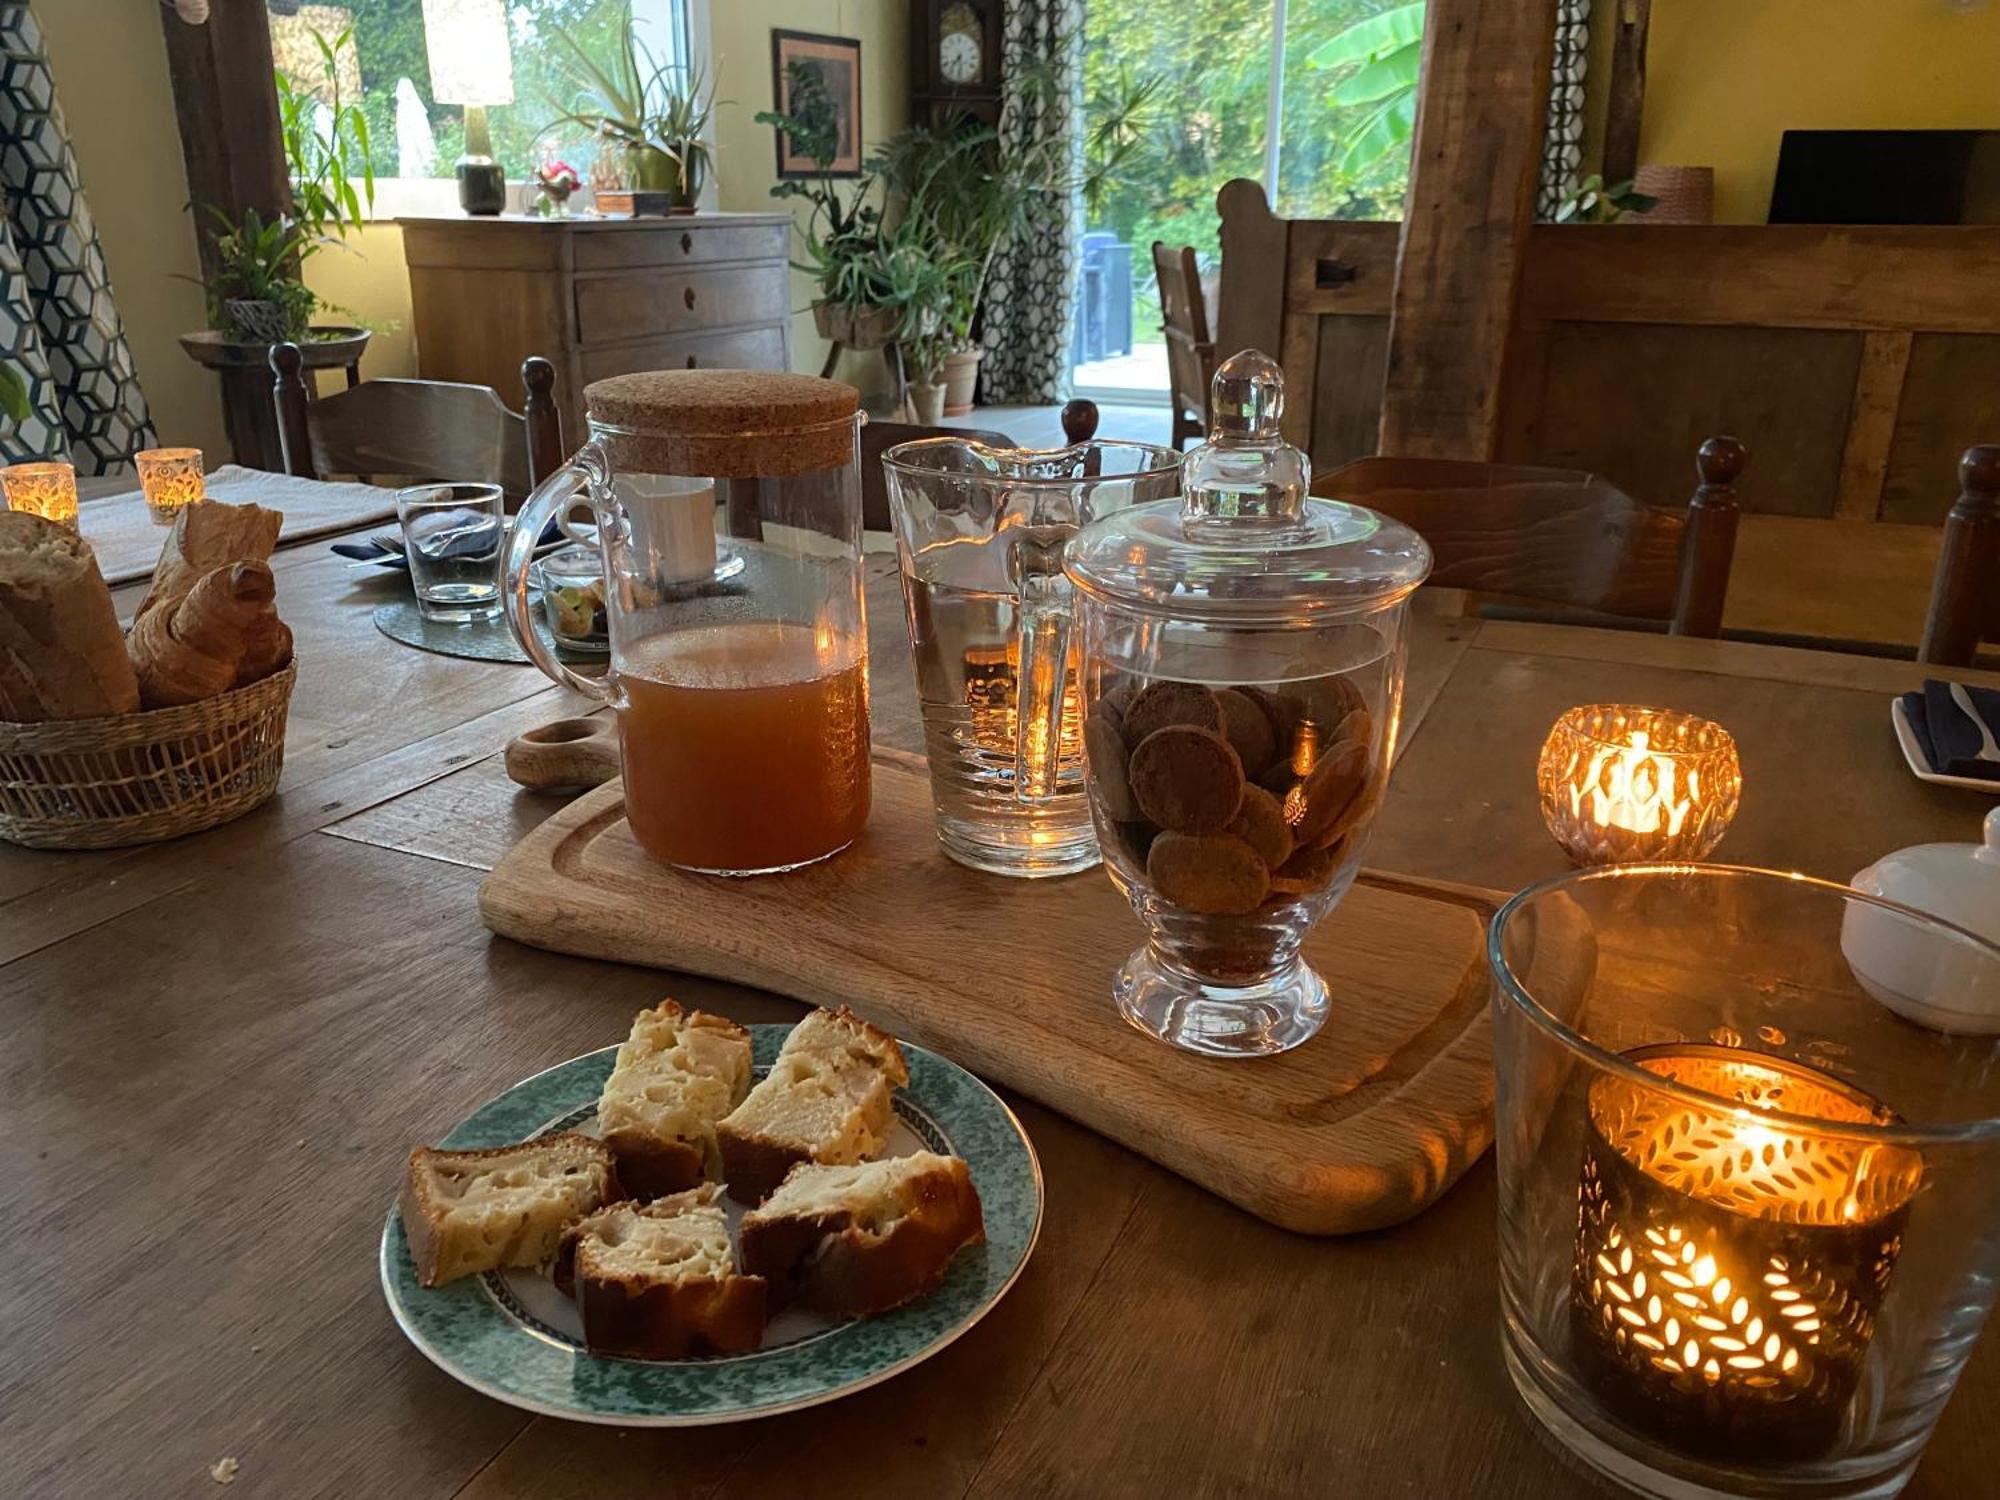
[
  {"x": 1247, "y": 397},
  {"x": 1246, "y": 473}
]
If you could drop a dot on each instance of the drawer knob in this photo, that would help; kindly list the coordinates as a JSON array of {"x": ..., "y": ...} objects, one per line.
[
  {"x": 690, "y": 361},
  {"x": 687, "y": 243},
  {"x": 687, "y": 296}
]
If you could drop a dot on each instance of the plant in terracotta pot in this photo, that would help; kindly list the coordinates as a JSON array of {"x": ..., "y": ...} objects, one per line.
[{"x": 925, "y": 289}]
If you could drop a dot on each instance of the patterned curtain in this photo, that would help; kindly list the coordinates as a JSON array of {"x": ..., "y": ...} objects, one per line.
[
  {"x": 1030, "y": 288},
  {"x": 57, "y": 323},
  {"x": 1562, "y": 146}
]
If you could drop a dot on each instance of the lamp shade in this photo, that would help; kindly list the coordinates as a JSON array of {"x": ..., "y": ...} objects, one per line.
[{"x": 471, "y": 62}]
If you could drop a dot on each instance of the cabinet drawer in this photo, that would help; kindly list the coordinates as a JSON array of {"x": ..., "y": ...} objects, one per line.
[
  {"x": 739, "y": 349},
  {"x": 671, "y": 244},
  {"x": 631, "y": 304}
]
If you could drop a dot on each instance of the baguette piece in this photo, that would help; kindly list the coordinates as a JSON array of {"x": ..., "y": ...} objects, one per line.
[
  {"x": 826, "y": 1099},
  {"x": 853, "y": 1241},
  {"x": 62, "y": 655},
  {"x": 205, "y": 537},
  {"x": 470, "y": 1211},
  {"x": 222, "y": 635},
  {"x": 659, "y": 1281},
  {"x": 676, "y": 1075}
]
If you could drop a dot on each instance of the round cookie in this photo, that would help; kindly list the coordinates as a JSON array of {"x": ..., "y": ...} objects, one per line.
[
  {"x": 1305, "y": 872},
  {"x": 1260, "y": 823},
  {"x": 1325, "y": 796},
  {"x": 1104, "y": 747},
  {"x": 1185, "y": 779},
  {"x": 1166, "y": 703},
  {"x": 1248, "y": 729},
  {"x": 1212, "y": 874}
]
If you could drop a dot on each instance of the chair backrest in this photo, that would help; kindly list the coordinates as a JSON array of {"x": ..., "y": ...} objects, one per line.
[
  {"x": 1184, "y": 319},
  {"x": 878, "y": 438},
  {"x": 1560, "y": 536},
  {"x": 1965, "y": 591},
  {"x": 419, "y": 429}
]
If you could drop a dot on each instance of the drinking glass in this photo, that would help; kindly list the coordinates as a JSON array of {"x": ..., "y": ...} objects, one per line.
[
  {"x": 451, "y": 536},
  {"x": 1747, "y": 1225},
  {"x": 732, "y": 596},
  {"x": 980, "y": 534}
]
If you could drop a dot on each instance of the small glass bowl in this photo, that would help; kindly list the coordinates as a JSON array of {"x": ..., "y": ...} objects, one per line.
[{"x": 572, "y": 585}]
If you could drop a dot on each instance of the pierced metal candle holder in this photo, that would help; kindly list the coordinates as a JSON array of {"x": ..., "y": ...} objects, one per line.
[
  {"x": 41, "y": 489},
  {"x": 1620, "y": 783},
  {"x": 1730, "y": 1264},
  {"x": 171, "y": 480}
]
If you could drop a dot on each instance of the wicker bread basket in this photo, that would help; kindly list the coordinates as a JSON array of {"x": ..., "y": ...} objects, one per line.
[{"x": 139, "y": 778}]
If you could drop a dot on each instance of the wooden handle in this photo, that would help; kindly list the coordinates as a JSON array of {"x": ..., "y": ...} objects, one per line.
[{"x": 567, "y": 753}]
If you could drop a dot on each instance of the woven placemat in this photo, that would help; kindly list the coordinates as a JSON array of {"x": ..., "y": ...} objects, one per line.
[{"x": 483, "y": 640}]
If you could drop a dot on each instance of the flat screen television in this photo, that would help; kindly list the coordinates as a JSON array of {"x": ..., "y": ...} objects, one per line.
[{"x": 1887, "y": 177}]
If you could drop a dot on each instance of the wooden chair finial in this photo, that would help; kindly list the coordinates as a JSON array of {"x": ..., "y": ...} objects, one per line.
[
  {"x": 1962, "y": 610},
  {"x": 544, "y": 419},
  {"x": 288, "y": 398},
  {"x": 1979, "y": 470},
  {"x": 1079, "y": 421},
  {"x": 1720, "y": 461}
]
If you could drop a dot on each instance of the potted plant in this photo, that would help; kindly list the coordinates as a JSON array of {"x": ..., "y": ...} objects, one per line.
[
  {"x": 255, "y": 293},
  {"x": 656, "y": 115},
  {"x": 925, "y": 290}
]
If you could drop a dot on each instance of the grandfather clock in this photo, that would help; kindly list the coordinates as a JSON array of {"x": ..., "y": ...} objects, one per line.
[{"x": 955, "y": 59}]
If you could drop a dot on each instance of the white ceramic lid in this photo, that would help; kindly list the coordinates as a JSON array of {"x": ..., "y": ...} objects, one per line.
[{"x": 1958, "y": 882}]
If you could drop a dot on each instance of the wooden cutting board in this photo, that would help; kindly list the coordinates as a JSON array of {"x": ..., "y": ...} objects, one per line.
[{"x": 1361, "y": 1127}]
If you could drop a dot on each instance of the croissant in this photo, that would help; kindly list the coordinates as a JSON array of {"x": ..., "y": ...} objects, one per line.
[{"x": 223, "y": 633}]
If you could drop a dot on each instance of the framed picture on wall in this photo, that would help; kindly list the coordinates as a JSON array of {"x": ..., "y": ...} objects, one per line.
[{"x": 817, "y": 80}]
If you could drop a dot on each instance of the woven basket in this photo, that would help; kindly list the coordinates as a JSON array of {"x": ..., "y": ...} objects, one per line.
[{"x": 139, "y": 778}]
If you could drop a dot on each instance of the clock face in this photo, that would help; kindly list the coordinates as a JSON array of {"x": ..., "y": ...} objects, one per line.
[{"x": 960, "y": 56}]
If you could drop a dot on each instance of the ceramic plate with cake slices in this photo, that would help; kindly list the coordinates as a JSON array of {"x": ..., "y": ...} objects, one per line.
[{"x": 512, "y": 1335}]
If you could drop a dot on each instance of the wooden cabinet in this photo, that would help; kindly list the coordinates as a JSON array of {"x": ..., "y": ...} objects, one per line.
[{"x": 597, "y": 297}]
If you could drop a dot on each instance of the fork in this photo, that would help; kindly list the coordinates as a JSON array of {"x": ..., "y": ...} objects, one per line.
[{"x": 1988, "y": 750}]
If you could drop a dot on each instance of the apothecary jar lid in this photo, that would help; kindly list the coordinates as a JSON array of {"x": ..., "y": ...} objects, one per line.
[
  {"x": 1245, "y": 542},
  {"x": 741, "y": 424}
]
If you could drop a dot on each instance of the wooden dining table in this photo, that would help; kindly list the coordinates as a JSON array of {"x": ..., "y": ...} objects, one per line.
[{"x": 215, "y": 1054}]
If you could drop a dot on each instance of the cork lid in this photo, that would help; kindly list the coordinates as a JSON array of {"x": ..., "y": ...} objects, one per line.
[{"x": 736, "y": 424}]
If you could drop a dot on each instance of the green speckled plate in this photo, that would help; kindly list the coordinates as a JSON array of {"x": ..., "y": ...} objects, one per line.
[{"x": 513, "y": 1336}]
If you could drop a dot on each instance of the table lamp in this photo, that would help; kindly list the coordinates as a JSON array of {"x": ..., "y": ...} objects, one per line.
[{"x": 471, "y": 65}]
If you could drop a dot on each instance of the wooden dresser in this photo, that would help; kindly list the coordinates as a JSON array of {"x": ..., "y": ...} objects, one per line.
[{"x": 597, "y": 297}]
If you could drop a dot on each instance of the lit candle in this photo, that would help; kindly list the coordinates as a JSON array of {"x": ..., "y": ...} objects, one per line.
[
  {"x": 1620, "y": 783},
  {"x": 171, "y": 479},
  {"x": 42, "y": 489},
  {"x": 1730, "y": 1261}
]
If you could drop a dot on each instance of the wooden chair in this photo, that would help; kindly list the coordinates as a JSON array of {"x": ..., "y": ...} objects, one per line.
[
  {"x": 1190, "y": 346},
  {"x": 1965, "y": 592},
  {"x": 419, "y": 429},
  {"x": 1559, "y": 536}
]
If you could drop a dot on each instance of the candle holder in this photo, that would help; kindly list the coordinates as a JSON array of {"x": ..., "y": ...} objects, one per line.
[
  {"x": 42, "y": 489},
  {"x": 1746, "y": 1229},
  {"x": 171, "y": 479},
  {"x": 1620, "y": 783}
]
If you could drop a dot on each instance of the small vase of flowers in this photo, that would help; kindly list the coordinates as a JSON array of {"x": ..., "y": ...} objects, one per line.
[{"x": 557, "y": 180}]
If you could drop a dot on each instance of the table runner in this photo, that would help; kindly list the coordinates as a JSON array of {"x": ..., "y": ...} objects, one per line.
[{"x": 127, "y": 542}]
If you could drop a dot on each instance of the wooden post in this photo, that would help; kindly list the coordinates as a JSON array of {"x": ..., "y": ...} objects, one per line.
[
  {"x": 1708, "y": 546},
  {"x": 1963, "y": 594},
  {"x": 1626, "y": 96},
  {"x": 1482, "y": 108},
  {"x": 288, "y": 400},
  {"x": 226, "y": 103},
  {"x": 545, "y": 444}
]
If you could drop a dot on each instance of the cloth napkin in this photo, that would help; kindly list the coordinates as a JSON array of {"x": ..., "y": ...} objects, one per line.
[
  {"x": 1949, "y": 740},
  {"x": 474, "y": 542}
]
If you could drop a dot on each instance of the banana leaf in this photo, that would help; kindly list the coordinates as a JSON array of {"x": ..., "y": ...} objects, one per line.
[{"x": 1375, "y": 37}]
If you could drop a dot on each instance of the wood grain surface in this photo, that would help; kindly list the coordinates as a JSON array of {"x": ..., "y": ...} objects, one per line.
[{"x": 189, "y": 1282}]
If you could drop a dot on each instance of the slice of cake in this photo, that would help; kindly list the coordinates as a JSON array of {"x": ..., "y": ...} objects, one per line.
[
  {"x": 853, "y": 1241},
  {"x": 826, "y": 1099},
  {"x": 659, "y": 1281},
  {"x": 677, "y": 1074},
  {"x": 469, "y": 1211}
]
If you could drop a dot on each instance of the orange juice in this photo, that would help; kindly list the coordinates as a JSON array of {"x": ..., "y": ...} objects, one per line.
[{"x": 745, "y": 745}]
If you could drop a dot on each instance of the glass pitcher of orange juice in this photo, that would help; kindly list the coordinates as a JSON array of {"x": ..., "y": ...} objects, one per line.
[{"x": 727, "y": 509}]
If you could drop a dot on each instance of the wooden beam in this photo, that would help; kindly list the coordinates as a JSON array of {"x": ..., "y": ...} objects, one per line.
[
  {"x": 226, "y": 103},
  {"x": 1626, "y": 95},
  {"x": 1871, "y": 424},
  {"x": 1482, "y": 108}
]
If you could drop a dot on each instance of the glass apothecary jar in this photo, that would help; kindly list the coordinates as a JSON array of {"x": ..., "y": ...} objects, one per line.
[{"x": 1242, "y": 661}]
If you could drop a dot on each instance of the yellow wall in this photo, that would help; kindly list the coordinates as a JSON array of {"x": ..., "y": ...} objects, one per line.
[
  {"x": 1726, "y": 78},
  {"x": 110, "y": 63},
  {"x": 369, "y": 279}
]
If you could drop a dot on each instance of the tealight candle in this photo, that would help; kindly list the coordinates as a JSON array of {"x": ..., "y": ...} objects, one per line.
[
  {"x": 1730, "y": 1261},
  {"x": 171, "y": 479},
  {"x": 41, "y": 489},
  {"x": 1620, "y": 783}
]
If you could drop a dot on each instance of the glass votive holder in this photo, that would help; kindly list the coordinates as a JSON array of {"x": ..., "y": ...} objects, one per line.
[
  {"x": 171, "y": 479},
  {"x": 41, "y": 489},
  {"x": 1746, "y": 1229},
  {"x": 1620, "y": 783}
]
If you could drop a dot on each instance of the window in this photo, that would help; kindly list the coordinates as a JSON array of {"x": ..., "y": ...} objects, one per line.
[{"x": 413, "y": 136}]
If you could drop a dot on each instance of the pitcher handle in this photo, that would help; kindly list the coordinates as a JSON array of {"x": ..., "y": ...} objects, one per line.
[
  {"x": 553, "y": 498},
  {"x": 1042, "y": 632}
]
